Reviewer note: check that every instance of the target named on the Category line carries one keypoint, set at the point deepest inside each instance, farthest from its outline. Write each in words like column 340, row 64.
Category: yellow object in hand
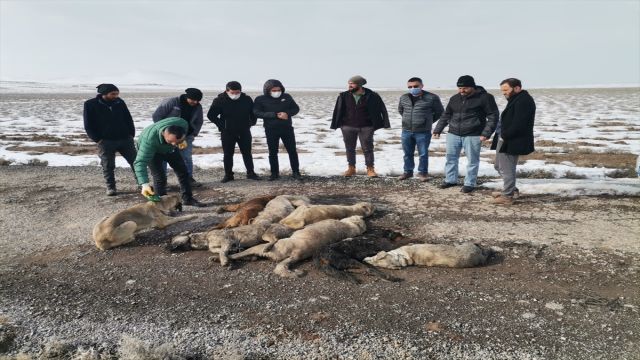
column 147, row 190
column 183, row 145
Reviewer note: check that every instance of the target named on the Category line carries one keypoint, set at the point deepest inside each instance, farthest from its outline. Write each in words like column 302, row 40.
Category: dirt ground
column 564, row 282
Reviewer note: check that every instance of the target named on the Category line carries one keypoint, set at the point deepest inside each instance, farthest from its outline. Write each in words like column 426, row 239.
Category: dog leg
column 257, row 250
column 166, row 221
column 224, row 249
column 275, row 233
column 283, row 268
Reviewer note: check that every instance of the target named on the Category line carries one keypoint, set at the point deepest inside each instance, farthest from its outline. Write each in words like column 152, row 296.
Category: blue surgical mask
column 415, row 91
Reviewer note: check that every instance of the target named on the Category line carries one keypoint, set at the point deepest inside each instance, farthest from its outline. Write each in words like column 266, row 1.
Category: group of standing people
column 471, row 115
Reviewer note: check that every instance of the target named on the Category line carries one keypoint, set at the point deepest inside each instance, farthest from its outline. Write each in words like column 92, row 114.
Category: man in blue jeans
column 472, row 115
column 419, row 109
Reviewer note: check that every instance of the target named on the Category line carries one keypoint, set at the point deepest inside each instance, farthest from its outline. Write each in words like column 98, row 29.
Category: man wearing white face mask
column 276, row 108
column 232, row 112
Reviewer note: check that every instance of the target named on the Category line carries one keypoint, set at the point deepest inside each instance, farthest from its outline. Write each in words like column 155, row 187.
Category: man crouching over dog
column 158, row 143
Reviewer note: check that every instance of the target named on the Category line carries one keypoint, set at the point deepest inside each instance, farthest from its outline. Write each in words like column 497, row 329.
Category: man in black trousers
column 232, row 112
column 277, row 108
column 108, row 122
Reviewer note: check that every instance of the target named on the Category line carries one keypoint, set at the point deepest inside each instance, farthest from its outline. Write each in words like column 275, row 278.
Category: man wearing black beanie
column 186, row 106
column 108, row 122
column 472, row 116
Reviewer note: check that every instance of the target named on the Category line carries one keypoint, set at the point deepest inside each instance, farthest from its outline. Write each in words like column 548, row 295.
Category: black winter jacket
column 375, row 106
column 472, row 115
column 266, row 107
column 107, row 121
column 419, row 112
column 516, row 125
column 235, row 116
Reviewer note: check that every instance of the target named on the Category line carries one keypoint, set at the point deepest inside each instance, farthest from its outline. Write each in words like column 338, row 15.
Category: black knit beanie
column 104, row 89
column 466, row 81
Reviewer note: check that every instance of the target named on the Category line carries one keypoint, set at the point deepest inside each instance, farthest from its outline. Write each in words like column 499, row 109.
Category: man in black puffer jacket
column 108, row 122
column 514, row 137
column 232, row 112
column 276, row 108
column 472, row 115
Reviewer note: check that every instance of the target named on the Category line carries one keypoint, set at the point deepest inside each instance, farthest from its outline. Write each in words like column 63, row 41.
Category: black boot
column 253, row 176
column 227, row 178
column 296, row 175
column 274, row 176
column 191, row 201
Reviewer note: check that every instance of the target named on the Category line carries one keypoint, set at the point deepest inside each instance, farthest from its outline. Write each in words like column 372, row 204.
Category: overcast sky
column 321, row 43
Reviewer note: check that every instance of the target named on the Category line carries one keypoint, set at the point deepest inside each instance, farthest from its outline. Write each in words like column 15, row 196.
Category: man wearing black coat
column 359, row 112
column 514, row 137
column 108, row 122
column 276, row 108
column 232, row 112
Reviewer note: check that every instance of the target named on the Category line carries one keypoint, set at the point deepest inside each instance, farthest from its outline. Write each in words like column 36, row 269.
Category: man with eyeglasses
column 419, row 109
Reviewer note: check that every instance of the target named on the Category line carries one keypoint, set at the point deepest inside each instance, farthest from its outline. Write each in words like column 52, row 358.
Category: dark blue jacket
column 107, row 121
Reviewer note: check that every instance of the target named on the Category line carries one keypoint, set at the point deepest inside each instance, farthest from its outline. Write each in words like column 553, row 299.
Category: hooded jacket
column 473, row 115
column 266, row 107
column 516, row 125
column 235, row 116
column 107, row 120
column 171, row 107
column 152, row 142
column 375, row 107
column 419, row 112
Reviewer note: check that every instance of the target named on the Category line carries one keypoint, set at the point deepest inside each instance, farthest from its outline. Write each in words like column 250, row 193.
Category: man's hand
column 436, row 136
column 282, row 115
column 147, row 190
column 483, row 138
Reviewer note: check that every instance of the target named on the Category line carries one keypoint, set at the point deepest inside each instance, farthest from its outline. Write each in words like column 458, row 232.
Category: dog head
column 169, row 203
column 358, row 221
column 388, row 260
column 366, row 208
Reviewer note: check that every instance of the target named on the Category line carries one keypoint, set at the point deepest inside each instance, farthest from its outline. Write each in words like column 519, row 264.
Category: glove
column 147, row 190
column 183, row 145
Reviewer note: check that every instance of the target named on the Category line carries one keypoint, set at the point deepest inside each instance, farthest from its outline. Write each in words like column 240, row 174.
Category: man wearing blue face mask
column 419, row 110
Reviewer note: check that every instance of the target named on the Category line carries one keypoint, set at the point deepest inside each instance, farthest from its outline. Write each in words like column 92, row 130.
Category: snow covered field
column 573, row 122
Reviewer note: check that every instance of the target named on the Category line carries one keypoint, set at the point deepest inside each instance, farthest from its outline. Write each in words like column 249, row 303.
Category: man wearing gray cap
column 359, row 112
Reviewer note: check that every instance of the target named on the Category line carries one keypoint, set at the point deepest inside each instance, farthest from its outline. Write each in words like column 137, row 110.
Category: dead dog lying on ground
column 454, row 256
column 120, row 228
column 263, row 227
column 304, row 243
column 305, row 215
column 244, row 211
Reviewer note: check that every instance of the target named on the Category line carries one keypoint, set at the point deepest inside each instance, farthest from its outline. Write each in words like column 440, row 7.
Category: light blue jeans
column 471, row 146
column 409, row 142
column 186, row 155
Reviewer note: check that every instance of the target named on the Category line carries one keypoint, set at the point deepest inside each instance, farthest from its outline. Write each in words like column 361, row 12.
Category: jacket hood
column 270, row 84
column 480, row 90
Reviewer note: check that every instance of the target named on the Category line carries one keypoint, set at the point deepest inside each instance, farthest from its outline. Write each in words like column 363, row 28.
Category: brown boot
column 502, row 200
column 405, row 176
column 351, row 170
column 371, row 172
column 495, row 194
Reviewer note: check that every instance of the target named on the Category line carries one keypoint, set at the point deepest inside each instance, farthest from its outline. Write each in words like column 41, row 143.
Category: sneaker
column 227, row 178
column 467, row 189
column 194, row 183
column 273, row 177
column 111, row 192
column 446, row 185
column 423, row 177
column 502, row 200
column 192, row 202
column 253, row 176
column 515, row 195
column 296, row 175
column 405, row 176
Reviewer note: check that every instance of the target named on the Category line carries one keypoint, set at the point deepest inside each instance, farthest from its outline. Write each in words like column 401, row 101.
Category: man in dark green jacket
column 157, row 143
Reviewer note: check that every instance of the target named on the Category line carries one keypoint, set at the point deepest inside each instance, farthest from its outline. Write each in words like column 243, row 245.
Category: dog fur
column 305, row 215
column 262, row 227
column 454, row 256
column 304, row 243
column 244, row 211
column 120, row 228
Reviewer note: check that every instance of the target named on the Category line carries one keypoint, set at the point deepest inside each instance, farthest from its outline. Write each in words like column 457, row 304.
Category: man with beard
column 186, row 106
column 108, row 122
column 514, row 137
column 276, row 108
column 232, row 112
column 471, row 115
column 359, row 112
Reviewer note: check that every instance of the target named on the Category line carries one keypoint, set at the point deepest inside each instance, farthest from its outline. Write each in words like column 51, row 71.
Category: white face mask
column 276, row 94
column 234, row 97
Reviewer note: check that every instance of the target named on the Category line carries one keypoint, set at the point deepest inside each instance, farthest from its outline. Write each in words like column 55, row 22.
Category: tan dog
column 304, row 243
column 220, row 241
column 305, row 215
column 458, row 256
column 245, row 211
column 120, row 228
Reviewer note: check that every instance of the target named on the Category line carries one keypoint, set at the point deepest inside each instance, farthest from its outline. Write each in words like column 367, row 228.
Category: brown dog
column 120, row 228
column 244, row 212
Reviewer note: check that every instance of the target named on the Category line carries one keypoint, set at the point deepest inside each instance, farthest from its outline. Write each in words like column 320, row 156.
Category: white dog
column 458, row 256
column 305, row 215
column 304, row 243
